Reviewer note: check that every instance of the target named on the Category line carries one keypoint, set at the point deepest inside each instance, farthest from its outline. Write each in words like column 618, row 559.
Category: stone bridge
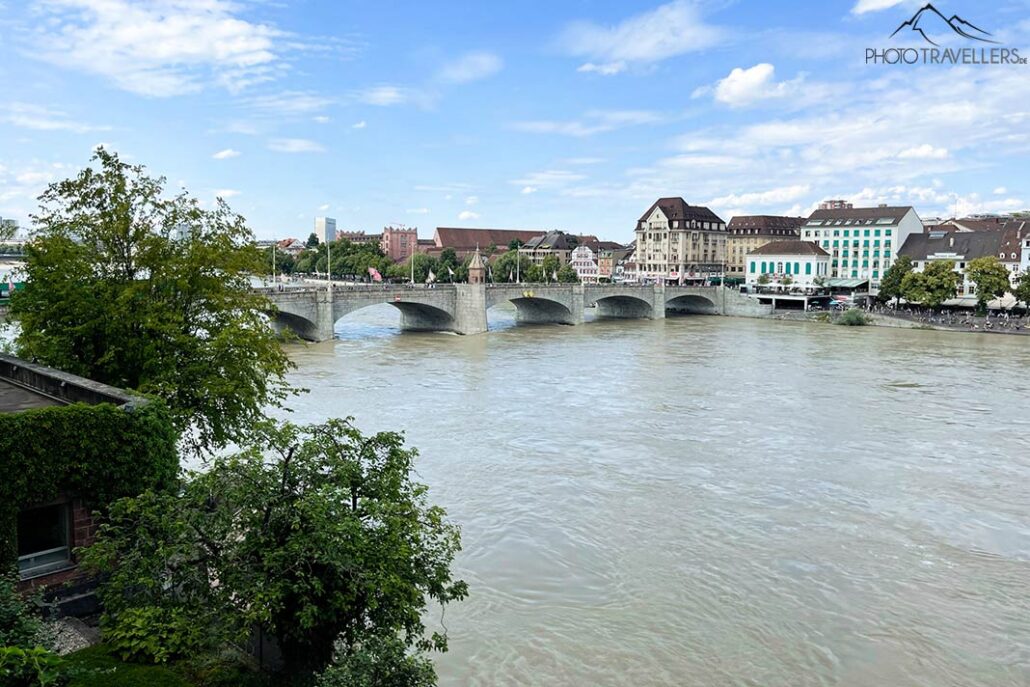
column 312, row 312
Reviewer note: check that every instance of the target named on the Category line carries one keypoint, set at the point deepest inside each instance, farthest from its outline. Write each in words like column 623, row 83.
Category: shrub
column 35, row 667
column 19, row 624
column 853, row 318
column 96, row 667
column 151, row 634
column 379, row 663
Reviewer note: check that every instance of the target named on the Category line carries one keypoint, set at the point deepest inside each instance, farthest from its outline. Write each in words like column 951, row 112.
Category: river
column 712, row 501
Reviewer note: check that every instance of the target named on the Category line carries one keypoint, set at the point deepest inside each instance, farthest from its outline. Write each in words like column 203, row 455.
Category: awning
column 844, row 283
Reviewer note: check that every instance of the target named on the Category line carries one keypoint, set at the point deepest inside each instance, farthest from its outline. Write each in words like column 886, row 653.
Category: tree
column 312, row 241
column 515, row 244
column 534, row 274
column 511, row 266
column 567, row 275
column 317, row 535
column 114, row 295
column 890, row 285
column 786, row 280
column 763, row 279
column 550, row 266
column 935, row 284
column 1022, row 291
column 284, row 262
column 991, row 279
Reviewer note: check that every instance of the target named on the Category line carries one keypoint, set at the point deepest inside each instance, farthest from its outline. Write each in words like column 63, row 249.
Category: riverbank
column 881, row 320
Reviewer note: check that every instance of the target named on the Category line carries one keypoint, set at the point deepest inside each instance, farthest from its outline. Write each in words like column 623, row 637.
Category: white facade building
column 677, row 242
column 787, row 263
column 584, row 262
column 862, row 242
column 325, row 229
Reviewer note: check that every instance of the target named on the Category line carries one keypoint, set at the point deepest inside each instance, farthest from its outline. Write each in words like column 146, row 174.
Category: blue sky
column 571, row 115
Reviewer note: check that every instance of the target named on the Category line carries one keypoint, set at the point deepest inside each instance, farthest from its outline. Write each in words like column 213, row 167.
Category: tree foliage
column 991, row 279
column 935, row 284
column 115, row 293
column 316, row 534
column 1022, row 290
column 567, row 275
column 890, row 284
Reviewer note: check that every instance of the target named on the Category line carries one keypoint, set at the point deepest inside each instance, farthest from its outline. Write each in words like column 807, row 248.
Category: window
column 847, row 233
column 779, row 268
column 43, row 539
column 808, row 268
column 797, row 268
column 752, row 268
column 788, row 268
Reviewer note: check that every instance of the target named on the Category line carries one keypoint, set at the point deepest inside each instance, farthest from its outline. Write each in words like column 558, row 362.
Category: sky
column 572, row 115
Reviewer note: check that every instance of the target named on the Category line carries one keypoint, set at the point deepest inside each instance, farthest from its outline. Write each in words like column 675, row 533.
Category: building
column 962, row 247
column 360, row 238
column 748, row 232
column 835, row 205
column 608, row 260
column 677, row 242
column 325, row 229
column 583, row 261
column 75, row 446
column 477, row 269
column 862, row 242
column 399, row 243
column 465, row 242
column 556, row 243
column 801, row 263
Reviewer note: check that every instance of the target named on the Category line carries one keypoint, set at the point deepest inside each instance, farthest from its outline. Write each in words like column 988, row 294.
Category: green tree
column 763, row 279
column 1022, row 290
column 317, row 535
column 113, row 295
column 534, row 274
column 786, row 280
column 511, row 266
column 284, row 262
column 550, row 266
column 935, row 284
column 890, row 285
column 514, row 244
column 567, row 275
column 991, row 279
column 312, row 241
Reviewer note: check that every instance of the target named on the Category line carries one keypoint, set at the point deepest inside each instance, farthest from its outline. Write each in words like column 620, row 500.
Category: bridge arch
column 304, row 328
column 692, row 304
column 624, row 306
column 416, row 316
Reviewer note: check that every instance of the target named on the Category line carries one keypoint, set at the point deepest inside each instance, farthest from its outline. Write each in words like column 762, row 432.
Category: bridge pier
column 470, row 308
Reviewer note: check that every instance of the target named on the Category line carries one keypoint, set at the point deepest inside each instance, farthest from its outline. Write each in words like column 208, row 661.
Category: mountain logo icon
column 929, row 23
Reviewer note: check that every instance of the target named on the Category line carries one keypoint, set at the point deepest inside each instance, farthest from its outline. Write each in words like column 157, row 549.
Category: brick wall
column 83, row 531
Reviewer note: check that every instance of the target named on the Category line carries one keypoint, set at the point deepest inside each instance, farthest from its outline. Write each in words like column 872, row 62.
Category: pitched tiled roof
column 677, row 208
column 765, row 225
column 966, row 245
column 461, row 238
column 895, row 212
column 789, row 248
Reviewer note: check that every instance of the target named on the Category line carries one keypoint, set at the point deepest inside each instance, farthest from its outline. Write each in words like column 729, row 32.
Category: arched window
column 779, row 268
column 808, row 268
column 788, row 268
column 797, row 268
column 752, row 267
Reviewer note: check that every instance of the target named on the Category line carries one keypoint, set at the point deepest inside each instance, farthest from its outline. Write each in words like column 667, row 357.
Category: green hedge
column 95, row 452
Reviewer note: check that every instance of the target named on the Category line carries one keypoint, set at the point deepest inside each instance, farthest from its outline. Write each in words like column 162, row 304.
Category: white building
column 325, row 229
column 677, row 242
column 800, row 263
column 962, row 247
column 584, row 262
column 862, row 242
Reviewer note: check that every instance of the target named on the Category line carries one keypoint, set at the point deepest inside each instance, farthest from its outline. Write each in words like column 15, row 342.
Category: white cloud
column 358, row 125
column 777, row 196
column 923, row 152
column 1000, row 191
column 158, row 48
column 291, row 103
column 226, row 154
column 418, row 211
column 471, row 67
column 383, row 96
column 526, row 190
column 666, row 31
column 593, row 122
column 295, row 145
column 863, row 6
column 39, row 118
column 551, row 178
column 582, row 161
column 467, row 215
column 743, row 87
column 320, row 119
column 226, row 193
column 602, row 69
column 471, row 200
column 323, row 207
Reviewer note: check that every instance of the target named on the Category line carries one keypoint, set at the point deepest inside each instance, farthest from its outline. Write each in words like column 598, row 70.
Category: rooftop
column 461, row 238
column 765, row 224
column 967, row 245
column 882, row 216
column 789, row 248
column 677, row 208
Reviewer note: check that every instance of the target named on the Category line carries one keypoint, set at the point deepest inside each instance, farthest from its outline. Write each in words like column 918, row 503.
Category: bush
column 853, row 318
column 36, row 667
column 96, row 667
column 379, row 663
column 19, row 624
column 151, row 634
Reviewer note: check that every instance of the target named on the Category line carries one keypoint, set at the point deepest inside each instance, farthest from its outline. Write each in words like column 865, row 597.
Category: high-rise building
column 325, row 229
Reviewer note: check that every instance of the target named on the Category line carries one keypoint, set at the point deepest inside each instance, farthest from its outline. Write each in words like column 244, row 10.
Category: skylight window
column 885, row 220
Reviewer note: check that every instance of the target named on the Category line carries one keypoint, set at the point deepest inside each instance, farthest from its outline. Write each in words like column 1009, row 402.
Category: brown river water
column 712, row 501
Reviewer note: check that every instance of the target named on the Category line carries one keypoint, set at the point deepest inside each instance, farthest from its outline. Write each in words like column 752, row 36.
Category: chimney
column 951, row 242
